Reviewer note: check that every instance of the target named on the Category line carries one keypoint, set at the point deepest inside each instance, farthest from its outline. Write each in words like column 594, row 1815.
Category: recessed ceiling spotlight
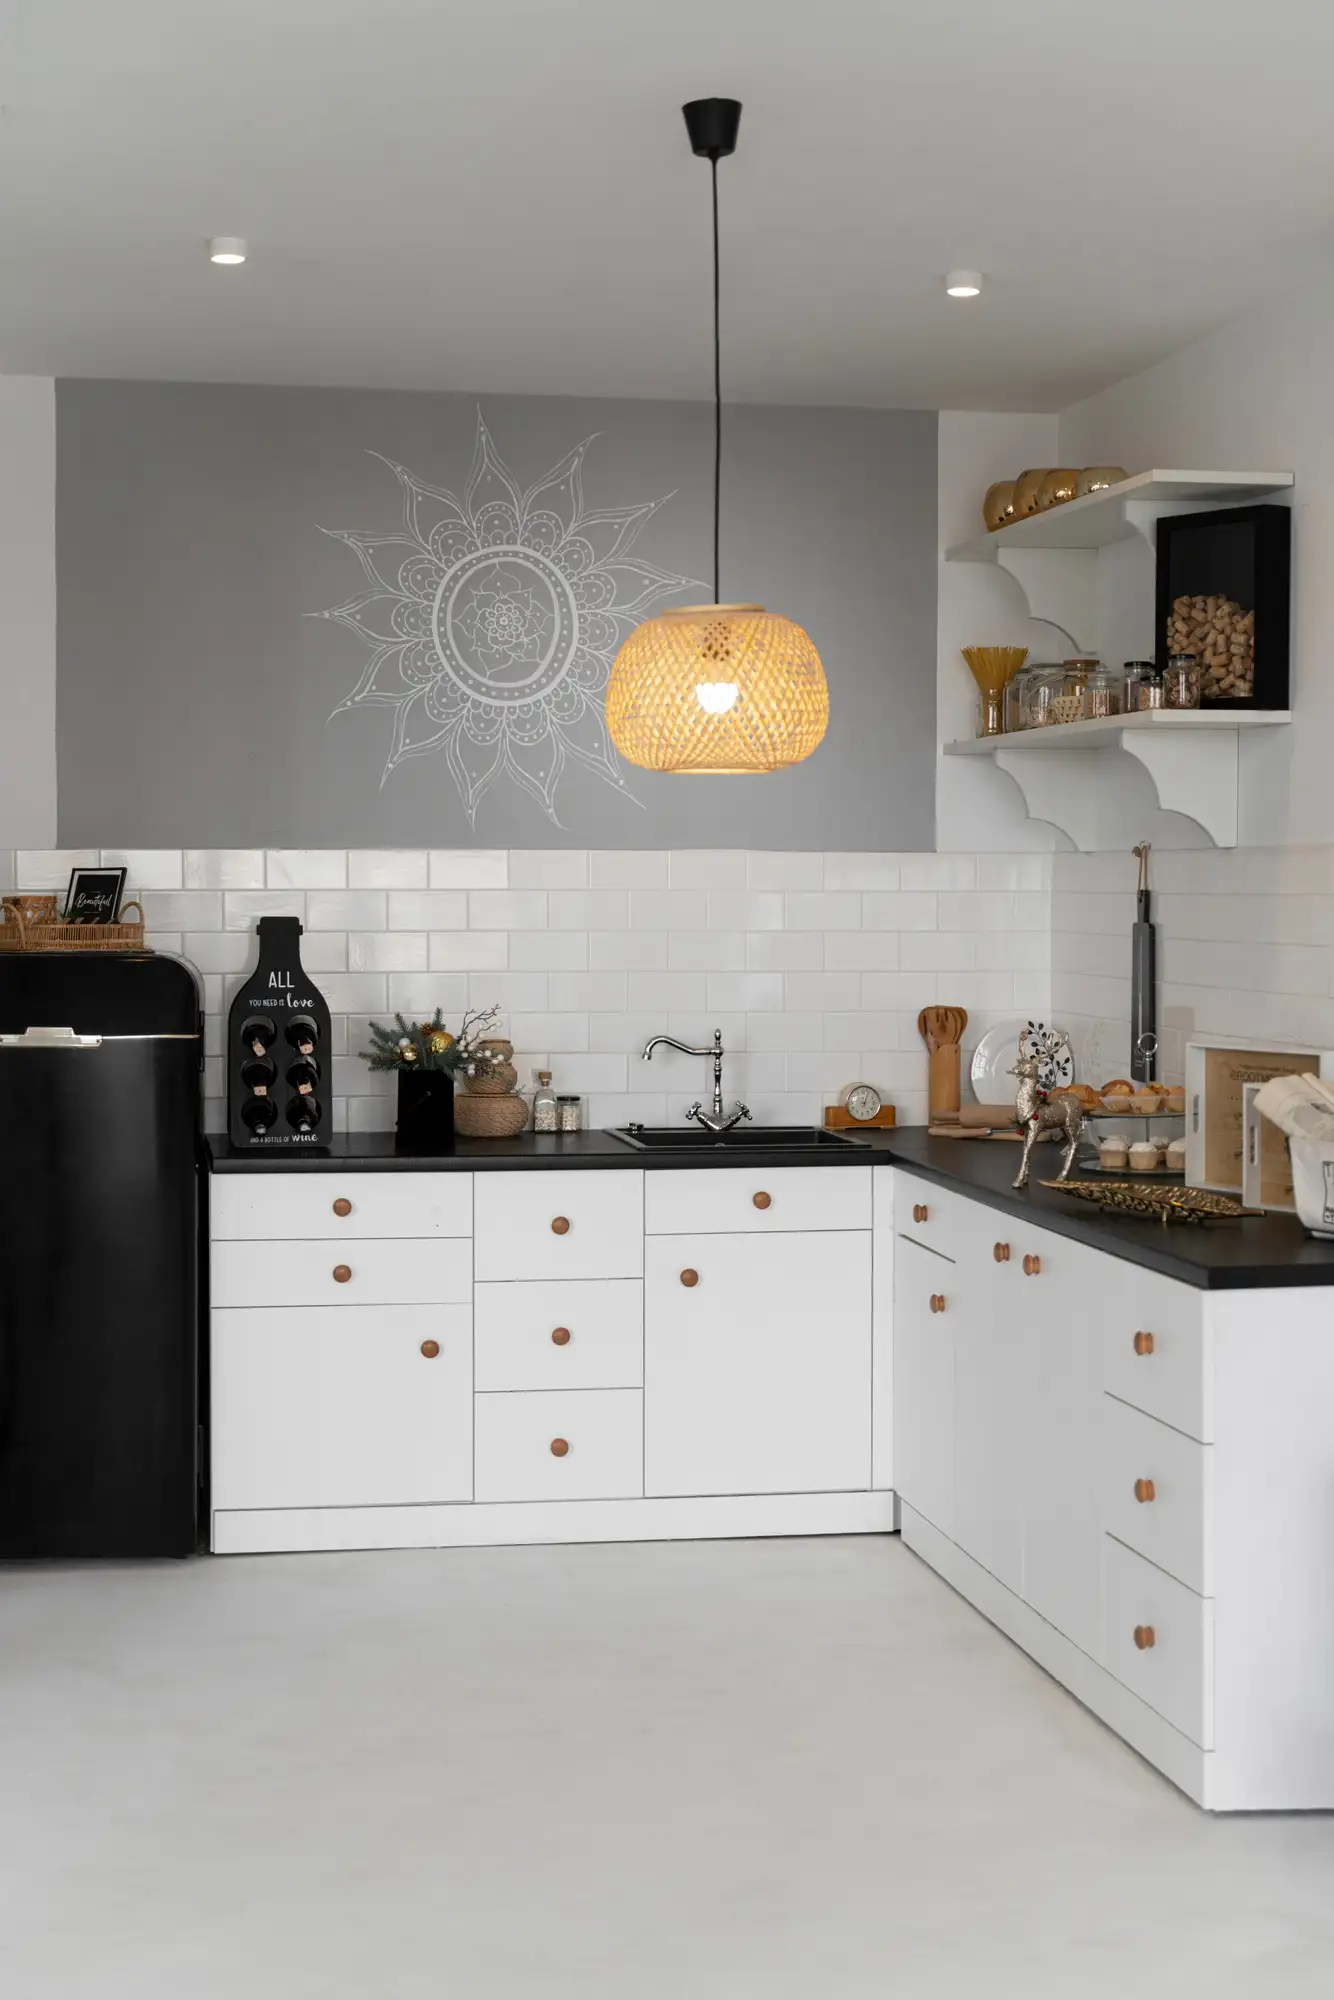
column 963, row 284
column 227, row 249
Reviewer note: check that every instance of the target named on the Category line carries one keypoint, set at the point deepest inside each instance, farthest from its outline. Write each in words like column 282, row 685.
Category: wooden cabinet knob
column 937, row 1302
column 341, row 1273
column 1145, row 1490
column 919, row 1211
column 559, row 1447
column 1145, row 1636
column 1032, row 1267
column 1001, row 1252
column 342, row 1206
column 560, row 1225
column 430, row 1348
column 689, row 1278
column 560, row 1336
column 762, row 1200
column 1144, row 1343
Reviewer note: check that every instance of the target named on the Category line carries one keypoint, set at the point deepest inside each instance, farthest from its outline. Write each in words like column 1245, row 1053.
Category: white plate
column 997, row 1053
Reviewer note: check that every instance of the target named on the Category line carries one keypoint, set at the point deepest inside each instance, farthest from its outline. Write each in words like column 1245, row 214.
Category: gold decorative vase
column 998, row 506
column 1058, row 487
column 1097, row 478
column 1026, row 489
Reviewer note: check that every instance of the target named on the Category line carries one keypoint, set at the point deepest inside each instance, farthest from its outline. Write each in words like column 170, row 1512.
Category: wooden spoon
column 941, row 1028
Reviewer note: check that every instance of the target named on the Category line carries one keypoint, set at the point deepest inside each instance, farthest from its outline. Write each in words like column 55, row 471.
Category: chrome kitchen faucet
column 717, row 1120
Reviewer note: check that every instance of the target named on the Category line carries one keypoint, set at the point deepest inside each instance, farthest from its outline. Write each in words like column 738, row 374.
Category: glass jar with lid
column 1133, row 675
column 569, row 1114
column 1068, row 700
column 1181, row 682
column 1149, row 689
column 1039, row 691
column 1104, row 694
column 545, row 1117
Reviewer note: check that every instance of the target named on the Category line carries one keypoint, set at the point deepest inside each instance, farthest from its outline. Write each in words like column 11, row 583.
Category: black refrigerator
column 100, row 1058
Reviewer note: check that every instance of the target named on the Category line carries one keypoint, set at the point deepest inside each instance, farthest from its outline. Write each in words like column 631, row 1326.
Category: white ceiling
column 500, row 196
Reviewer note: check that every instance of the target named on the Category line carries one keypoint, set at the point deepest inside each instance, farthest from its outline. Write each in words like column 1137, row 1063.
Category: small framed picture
column 94, row 895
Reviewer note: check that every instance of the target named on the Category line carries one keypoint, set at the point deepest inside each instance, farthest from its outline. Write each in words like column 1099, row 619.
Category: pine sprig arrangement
column 429, row 1045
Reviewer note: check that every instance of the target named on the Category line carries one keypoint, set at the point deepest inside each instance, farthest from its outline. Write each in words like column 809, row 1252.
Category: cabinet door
column 344, row 1406
column 924, row 1383
column 1059, row 1450
column 985, row 1308
column 757, row 1377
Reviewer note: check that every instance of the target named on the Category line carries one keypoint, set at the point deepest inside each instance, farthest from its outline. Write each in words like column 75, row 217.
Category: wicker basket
column 24, row 932
column 487, row 1117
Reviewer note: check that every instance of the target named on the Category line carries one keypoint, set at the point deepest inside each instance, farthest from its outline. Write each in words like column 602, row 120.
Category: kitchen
column 759, row 1603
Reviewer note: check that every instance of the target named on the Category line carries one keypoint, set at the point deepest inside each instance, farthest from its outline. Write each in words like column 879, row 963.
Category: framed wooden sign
column 94, row 896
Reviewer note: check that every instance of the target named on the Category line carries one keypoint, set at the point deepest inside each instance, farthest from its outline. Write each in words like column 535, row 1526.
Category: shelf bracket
column 1062, row 791
column 1058, row 586
column 1195, row 775
column 1192, row 774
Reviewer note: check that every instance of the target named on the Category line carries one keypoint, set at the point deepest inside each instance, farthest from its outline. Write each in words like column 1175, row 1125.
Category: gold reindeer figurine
column 1037, row 1114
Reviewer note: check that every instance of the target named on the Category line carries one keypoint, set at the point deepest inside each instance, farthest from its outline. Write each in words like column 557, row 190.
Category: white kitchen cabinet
column 770, row 1200
column 340, row 1207
column 986, row 1302
column 341, row 1407
column 408, row 1273
column 926, row 1303
column 1157, row 1639
column 559, row 1225
column 574, row 1444
column 579, row 1333
column 757, row 1363
column 1157, row 1493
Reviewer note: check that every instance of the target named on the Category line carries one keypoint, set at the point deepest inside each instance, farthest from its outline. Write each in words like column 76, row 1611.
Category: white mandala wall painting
column 492, row 632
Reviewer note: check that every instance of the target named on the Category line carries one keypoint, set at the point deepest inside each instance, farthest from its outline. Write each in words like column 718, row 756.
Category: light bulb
column 227, row 249
column 963, row 284
column 716, row 697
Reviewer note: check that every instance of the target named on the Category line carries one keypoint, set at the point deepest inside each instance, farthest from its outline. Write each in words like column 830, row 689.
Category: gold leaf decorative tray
column 1163, row 1204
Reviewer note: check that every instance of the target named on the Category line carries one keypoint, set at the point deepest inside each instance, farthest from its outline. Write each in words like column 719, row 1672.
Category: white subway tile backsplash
column 861, row 951
column 612, row 869
column 904, row 910
column 622, row 1034
column 825, row 910
column 507, row 909
column 342, row 909
column 579, row 1072
column 548, row 868
column 563, row 1034
column 147, row 867
column 861, row 871
column 787, row 871
column 969, row 910
column 39, row 871
column 387, row 868
column 786, row 1032
column 428, row 910
column 468, row 868
column 784, row 951
column 305, row 868
column 664, row 992
column 623, row 951
column 705, row 951
column 469, row 951
column 222, row 868
column 747, row 992
column 757, row 910
column 422, row 992
column 818, row 992
column 937, row 951
column 591, row 992
column 524, row 992
column 668, row 910
column 701, row 868
column 182, row 909
column 543, row 951
column 386, row 951
column 938, row 871
column 1014, row 871
column 356, row 992
column 218, row 951
column 324, row 951
column 588, row 909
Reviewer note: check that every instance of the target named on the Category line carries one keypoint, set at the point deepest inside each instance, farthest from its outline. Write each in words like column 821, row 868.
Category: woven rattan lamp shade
column 730, row 689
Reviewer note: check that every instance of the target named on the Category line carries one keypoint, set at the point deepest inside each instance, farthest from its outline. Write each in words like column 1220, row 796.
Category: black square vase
column 425, row 1111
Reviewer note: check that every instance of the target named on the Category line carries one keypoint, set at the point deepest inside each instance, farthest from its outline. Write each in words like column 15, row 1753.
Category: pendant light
column 730, row 689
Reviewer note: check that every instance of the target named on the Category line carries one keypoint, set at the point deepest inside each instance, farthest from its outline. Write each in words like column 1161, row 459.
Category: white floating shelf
column 1098, row 519
column 1191, row 756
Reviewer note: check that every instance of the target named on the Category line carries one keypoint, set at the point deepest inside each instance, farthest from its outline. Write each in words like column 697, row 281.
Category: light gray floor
column 704, row 1769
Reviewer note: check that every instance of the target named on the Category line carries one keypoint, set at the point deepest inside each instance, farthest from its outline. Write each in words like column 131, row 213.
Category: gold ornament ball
column 439, row 1041
column 409, row 1054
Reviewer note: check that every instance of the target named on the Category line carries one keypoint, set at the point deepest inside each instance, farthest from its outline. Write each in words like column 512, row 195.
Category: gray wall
column 197, row 695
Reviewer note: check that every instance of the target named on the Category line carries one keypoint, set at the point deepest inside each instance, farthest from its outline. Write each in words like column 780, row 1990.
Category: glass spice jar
column 544, row 1104
column 1151, row 690
column 1103, row 694
column 1133, row 674
column 1040, row 689
column 570, row 1114
column 1181, row 682
column 1068, row 701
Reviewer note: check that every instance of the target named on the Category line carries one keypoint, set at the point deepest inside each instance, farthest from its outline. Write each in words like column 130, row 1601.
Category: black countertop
column 1252, row 1253
column 378, row 1152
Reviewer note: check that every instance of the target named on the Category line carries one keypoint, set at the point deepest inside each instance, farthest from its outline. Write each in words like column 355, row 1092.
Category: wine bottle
column 259, row 1074
column 259, row 1113
column 303, row 1075
column 303, row 1035
column 304, row 1113
column 258, row 1034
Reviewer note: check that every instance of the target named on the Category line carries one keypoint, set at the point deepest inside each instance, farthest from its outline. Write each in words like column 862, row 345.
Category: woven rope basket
column 727, row 688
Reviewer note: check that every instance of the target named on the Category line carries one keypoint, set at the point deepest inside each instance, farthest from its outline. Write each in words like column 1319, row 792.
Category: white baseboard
column 484, row 1525
column 1188, row 1767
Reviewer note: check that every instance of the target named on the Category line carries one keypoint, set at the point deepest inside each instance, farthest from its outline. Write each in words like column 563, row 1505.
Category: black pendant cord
column 717, row 393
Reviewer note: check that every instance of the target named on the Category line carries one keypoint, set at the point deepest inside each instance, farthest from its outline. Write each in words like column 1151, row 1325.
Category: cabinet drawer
column 560, row 1334
column 728, row 1201
column 1157, row 1493
column 559, row 1225
column 1156, row 1355
column 929, row 1215
column 257, row 1206
column 312, row 1274
column 1174, row 1675
column 313, row 1407
column 602, row 1430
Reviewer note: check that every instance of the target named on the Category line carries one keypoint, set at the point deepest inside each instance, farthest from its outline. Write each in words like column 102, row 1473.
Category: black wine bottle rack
column 278, row 1056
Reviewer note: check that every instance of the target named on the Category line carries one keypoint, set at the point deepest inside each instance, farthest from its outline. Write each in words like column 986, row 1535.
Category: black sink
column 695, row 1139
